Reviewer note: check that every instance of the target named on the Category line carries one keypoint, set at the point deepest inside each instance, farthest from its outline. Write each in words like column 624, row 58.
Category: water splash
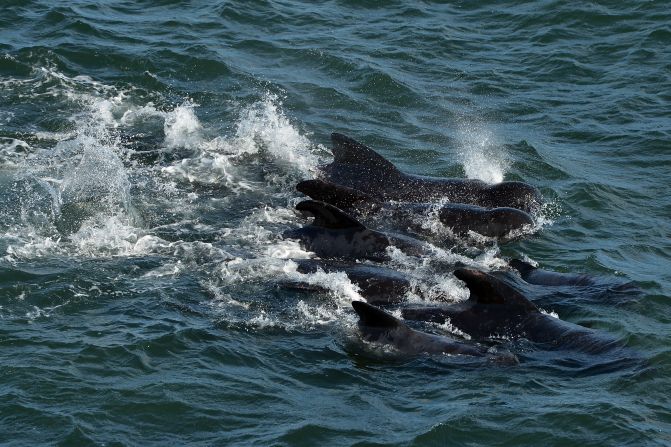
column 83, row 175
column 483, row 157
column 261, row 129
column 265, row 126
column 182, row 128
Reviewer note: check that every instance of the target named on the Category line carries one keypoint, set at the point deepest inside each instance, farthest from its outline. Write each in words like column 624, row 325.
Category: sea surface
column 149, row 152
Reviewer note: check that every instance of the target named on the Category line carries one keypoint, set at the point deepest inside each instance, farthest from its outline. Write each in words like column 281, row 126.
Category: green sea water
column 148, row 156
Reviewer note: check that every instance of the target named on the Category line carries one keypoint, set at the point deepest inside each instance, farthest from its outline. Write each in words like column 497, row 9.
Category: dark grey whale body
column 378, row 285
column 534, row 275
column 459, row 217
column 359, row 167
column 378, row 326
column 335, row 234
column 495, row 309
column 585, row 288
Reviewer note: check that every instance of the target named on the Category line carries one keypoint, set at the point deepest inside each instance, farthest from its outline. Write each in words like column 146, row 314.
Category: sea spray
column 482, row 156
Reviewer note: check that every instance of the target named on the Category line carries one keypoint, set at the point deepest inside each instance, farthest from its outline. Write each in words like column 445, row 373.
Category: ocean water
column 148, row 156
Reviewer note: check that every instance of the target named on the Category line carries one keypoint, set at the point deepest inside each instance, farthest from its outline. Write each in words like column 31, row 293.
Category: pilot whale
column 461, row 218
column 335, row 234
column 534, row 275
column 378, row 326
column 360, row 167
column 496, row 309
column 603, row 290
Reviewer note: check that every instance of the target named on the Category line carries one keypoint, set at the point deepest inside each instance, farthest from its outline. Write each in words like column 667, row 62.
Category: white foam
column 263, row 321
column 110, row 236
column 57, row 136
column 435, row 257
column 260, row 231
column 287, row 249
column 148, row 244
column 528, row 260
column 98, row 237
column 449, row 327
column 90, row 184
column 12, row 151
column 546, row 216
column 336, row 282
column 550, row 313
column 182, row 128
column 135, row 115
column 315, row 315
column 30, row 245
column 443, row 288
column 430, row 222
column 208, row 169
column 222, row 299
column 489, row 259
column 37, row 312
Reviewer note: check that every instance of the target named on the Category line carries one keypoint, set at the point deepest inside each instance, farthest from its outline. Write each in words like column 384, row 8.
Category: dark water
column 148, row 153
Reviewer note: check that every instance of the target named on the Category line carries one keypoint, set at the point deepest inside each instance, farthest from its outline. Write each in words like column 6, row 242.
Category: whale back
column 371, row 316
column 486, row 289
column 328, row 216
column 335, row 234
column 337, row 195
column 521, row 266
column 537, row 276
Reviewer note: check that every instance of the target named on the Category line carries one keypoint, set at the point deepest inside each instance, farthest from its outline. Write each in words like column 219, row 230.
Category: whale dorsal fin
column 521, row 266
column 374, row 316
column 349, row 151
column 486, row 289
column 328, row 216
column 328, row 192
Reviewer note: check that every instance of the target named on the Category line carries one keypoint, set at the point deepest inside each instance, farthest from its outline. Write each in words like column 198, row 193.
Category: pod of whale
column 360, row 184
